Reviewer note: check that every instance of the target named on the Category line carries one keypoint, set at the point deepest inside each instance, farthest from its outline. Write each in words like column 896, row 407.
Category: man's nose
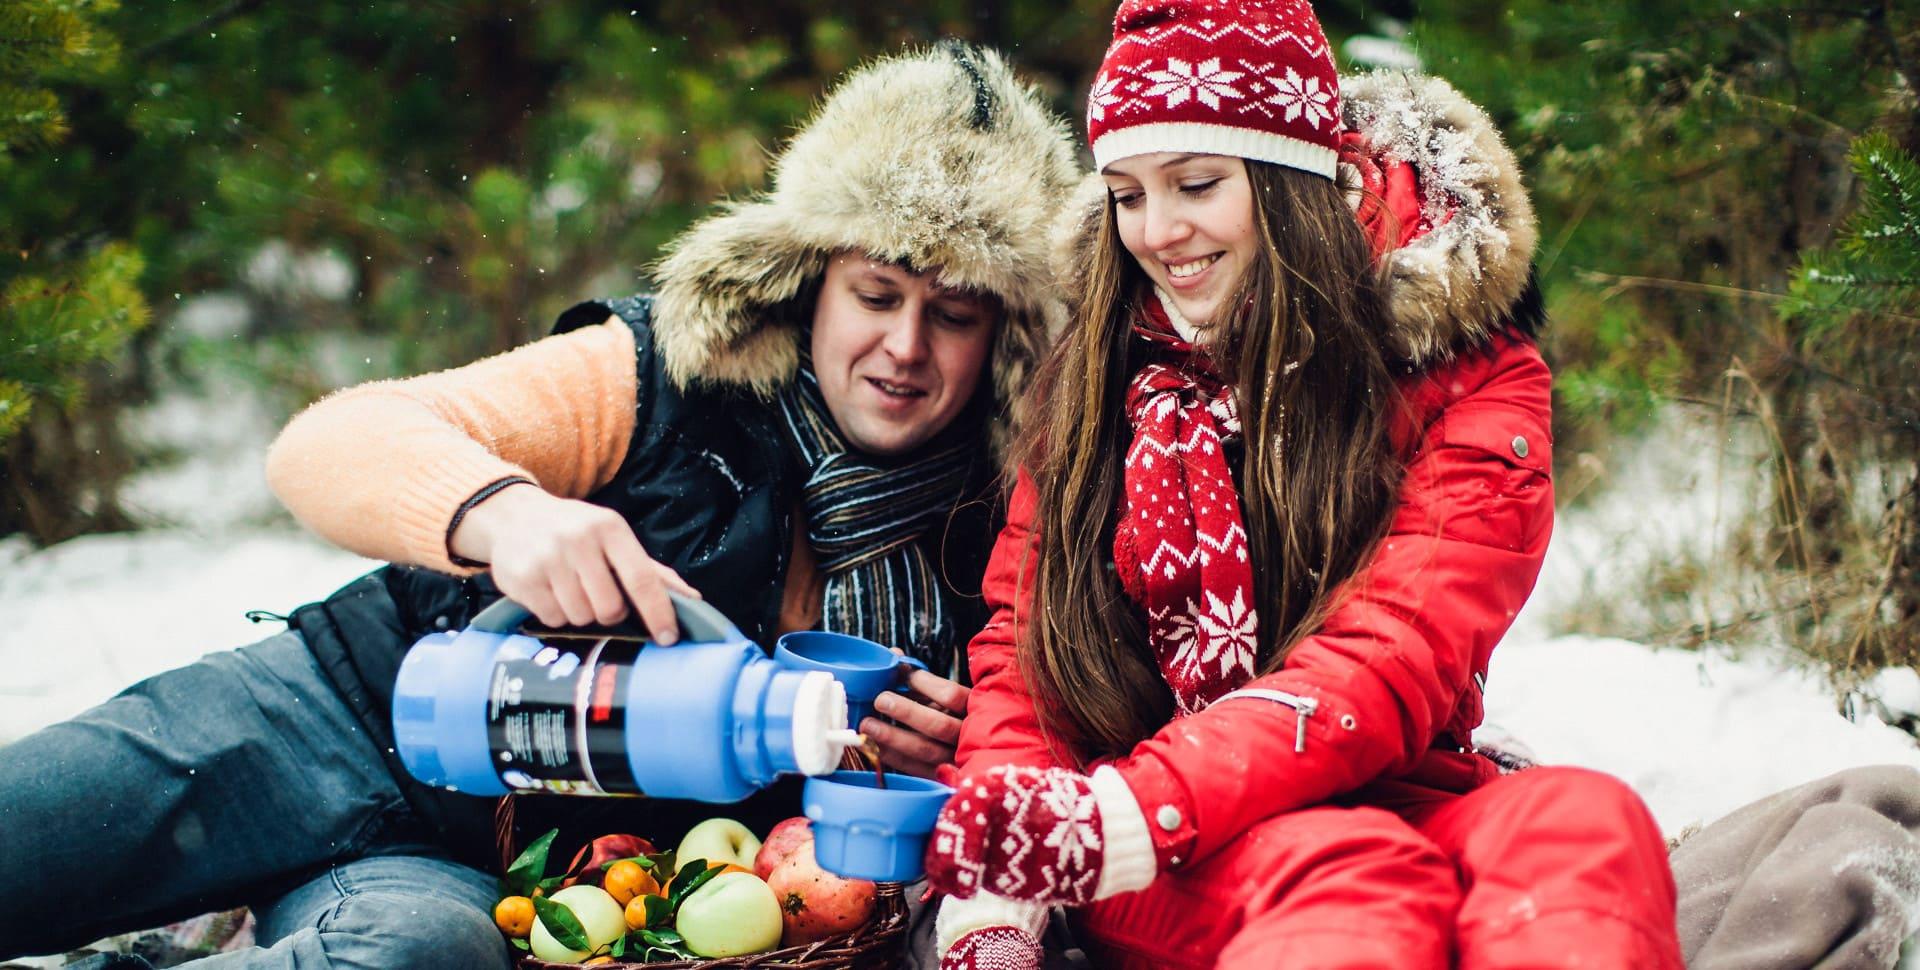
column 906, row 340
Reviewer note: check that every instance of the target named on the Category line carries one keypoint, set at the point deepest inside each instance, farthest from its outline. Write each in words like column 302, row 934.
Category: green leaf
column 642, row 861
column 669, row 941
column 691, row 876
column 520, row 943
column 659, row 911
column 661, row 861
column 552, row 882
column 526, row 870
column 560, row 921
column 620, row 947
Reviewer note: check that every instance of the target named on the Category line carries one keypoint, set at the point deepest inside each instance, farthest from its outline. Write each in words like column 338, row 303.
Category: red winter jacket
column 1395, row 670
column 1393, row 676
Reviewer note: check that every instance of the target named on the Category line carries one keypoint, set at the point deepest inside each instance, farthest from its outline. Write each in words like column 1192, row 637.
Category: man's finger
column 903, row 745
column 572, row 600
column 542, row 605
column 641, row 581
column 949, row 694
column 944, row 728
column 602, row 589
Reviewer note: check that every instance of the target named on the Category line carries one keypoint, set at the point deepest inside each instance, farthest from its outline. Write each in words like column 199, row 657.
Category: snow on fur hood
column 1457, row 285
column 939, row 159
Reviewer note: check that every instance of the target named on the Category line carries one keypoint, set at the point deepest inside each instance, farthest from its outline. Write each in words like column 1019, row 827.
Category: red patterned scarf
column 1181, row 543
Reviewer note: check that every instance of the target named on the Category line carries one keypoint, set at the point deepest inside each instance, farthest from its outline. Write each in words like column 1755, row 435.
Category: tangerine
column 514, row 916
column 627, row 879
column 636, row 911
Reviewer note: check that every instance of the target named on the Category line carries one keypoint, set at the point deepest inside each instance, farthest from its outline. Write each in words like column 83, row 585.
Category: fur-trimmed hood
column 1453, row 287
column 939, row 159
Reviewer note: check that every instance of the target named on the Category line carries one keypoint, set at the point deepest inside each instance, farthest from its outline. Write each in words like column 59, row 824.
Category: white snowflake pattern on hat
column 1208, row 83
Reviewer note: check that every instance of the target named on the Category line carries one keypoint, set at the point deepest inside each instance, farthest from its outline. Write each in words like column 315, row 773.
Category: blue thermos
column 490, row 710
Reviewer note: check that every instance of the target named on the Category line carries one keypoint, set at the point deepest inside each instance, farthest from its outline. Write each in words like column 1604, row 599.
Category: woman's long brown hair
column 1302, row 351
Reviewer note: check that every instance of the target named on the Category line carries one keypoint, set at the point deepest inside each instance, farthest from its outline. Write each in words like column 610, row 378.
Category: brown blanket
column 1825, row 875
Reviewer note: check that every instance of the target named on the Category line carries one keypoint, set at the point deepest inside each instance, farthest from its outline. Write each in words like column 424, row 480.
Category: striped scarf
column 864, row 517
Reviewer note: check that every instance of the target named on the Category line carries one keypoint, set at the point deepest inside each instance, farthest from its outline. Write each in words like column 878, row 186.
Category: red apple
column 586, row 866
column 815, row 903
column 780, row 843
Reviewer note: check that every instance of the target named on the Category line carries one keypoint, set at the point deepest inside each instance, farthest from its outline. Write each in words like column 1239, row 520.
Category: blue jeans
column 241, row 779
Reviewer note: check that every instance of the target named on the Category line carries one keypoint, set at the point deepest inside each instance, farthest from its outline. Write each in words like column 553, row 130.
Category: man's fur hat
column 940, row 160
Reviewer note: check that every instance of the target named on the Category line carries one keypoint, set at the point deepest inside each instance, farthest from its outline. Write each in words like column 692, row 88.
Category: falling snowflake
column 1181, row 81
column 1302, row 96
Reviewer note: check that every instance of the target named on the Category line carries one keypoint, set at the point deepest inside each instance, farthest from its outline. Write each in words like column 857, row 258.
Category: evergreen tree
column 67, row 304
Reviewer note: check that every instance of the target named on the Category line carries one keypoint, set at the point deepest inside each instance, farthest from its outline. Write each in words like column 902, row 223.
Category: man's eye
column 958, row 321
column 875, row 302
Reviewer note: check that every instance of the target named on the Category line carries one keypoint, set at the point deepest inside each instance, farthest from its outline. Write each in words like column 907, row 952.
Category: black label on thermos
column 557, row 721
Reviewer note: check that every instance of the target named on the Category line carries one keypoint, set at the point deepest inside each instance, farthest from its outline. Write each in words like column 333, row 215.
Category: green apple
column 734, row 913
column 598, row 914
column 719, row 840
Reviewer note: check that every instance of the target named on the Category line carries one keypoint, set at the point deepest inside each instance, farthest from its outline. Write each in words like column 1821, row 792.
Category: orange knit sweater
column 381, row 468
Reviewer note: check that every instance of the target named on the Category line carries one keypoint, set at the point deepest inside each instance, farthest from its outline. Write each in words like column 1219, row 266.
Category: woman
column 798, row 425
column 1290, row 486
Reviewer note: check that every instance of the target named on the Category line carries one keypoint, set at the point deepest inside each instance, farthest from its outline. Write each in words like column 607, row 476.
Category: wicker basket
column 878, row 945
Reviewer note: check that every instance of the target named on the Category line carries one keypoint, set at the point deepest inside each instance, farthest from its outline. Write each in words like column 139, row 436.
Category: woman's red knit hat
column 1253, row 78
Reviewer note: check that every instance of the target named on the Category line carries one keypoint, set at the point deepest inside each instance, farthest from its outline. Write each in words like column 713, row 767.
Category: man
column 799, row 427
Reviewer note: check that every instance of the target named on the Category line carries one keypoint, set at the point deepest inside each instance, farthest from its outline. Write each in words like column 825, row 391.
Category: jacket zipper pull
column 261, row 616
column 1303, row 707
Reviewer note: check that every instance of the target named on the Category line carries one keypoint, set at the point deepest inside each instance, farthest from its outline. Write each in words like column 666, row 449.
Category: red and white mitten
column 994, row 948
column 1043, row 835
column 985, row 932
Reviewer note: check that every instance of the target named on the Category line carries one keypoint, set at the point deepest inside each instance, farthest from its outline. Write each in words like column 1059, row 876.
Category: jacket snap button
column 1168, row 817
column 441, row 622
column 1173, row 860
column 1520, row 445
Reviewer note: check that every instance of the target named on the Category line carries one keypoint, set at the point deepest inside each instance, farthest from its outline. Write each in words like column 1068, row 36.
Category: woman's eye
column 875, row 302
column 1199, row 188
column 958, row 321
column 1126, row 200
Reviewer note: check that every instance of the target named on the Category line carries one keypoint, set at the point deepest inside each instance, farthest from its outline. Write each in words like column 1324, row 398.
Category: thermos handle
column 700, row 621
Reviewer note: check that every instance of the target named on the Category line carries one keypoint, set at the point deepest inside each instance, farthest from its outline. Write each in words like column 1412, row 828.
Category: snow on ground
column 85, row 618
column 1698, row 734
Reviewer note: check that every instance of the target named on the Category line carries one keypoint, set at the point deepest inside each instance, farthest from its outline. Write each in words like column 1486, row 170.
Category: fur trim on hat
column 1452, row 288
column 940, row 160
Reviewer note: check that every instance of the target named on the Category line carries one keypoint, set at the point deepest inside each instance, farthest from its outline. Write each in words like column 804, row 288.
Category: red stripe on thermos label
column 557, row 721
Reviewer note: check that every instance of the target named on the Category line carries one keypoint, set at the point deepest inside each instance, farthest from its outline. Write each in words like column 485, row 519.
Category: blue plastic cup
column 863, row 832
column 865, row 668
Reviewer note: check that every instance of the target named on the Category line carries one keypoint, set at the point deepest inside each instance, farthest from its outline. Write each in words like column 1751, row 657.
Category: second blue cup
column 866, row 669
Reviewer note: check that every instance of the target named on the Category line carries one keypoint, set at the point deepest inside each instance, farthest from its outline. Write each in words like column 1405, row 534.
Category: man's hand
column 570, row 563
column 926, row 728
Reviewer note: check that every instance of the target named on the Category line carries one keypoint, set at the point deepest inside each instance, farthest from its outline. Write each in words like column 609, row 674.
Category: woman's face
column 898, row 356
column 1188, row 221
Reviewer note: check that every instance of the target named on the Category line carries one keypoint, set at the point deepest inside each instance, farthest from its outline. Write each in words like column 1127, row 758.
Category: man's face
column 898, row 357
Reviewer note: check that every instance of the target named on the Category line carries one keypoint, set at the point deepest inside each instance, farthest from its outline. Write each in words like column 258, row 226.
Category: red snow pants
column 1548, row 867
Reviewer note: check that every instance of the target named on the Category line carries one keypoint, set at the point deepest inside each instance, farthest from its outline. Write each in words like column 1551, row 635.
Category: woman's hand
column 570, row 563
column 926, row 728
